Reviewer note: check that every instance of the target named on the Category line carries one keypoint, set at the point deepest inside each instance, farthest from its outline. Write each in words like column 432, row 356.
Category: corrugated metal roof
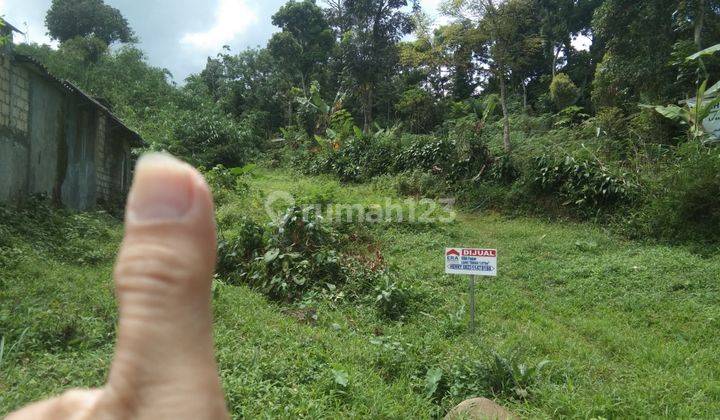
column 12, row 28
column 135, row 138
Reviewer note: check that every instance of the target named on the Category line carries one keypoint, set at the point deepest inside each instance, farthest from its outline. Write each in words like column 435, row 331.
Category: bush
column 563, row 91
column 687, row 206
column 612, row 126
column 499, row 376
column 298, row 255
column 418, row 110
column 206, row 137
column 236, row 253
column 418, row 183
column 585, row 185
column 223, row 181
column 392, row 299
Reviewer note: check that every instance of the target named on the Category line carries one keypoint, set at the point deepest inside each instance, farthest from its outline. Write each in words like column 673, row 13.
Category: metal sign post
column 472, row 303
column 472, row 262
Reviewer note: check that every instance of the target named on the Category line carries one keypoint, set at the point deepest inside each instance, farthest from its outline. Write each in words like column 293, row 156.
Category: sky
column 177, row 35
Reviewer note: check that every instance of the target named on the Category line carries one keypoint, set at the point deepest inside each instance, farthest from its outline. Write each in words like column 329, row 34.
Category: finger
column 165, row 354
column 74, row 404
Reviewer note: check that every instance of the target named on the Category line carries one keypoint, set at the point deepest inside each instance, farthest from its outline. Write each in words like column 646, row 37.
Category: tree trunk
column 367, row 109
column 290, row 112
column 506, row 116
column 699, row 23
column 524, row 88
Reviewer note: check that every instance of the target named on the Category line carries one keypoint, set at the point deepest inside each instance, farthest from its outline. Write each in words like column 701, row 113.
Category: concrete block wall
column 14, row 143
column 5, row 73
column 19, row 100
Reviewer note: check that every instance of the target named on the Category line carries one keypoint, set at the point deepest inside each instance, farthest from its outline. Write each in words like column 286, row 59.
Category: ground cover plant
column 579, row 323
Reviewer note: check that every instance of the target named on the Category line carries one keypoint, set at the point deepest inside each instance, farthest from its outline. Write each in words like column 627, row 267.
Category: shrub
column 297, row 256
column 419, row 183
column 223, row 181
column 612, row 126
column 586, row 185
column 418, row 110
column 563, row 91
column 391, row 298
column 237, row 252
column 208, row 138
column 687, row 206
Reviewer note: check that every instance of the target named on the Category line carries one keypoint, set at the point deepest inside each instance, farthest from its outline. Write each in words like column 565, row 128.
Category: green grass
column 630, row 329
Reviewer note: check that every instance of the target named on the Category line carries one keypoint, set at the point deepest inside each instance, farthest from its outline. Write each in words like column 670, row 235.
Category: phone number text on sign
column 471, row 261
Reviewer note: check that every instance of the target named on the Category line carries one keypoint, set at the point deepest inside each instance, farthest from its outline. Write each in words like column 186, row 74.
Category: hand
column 164, row 365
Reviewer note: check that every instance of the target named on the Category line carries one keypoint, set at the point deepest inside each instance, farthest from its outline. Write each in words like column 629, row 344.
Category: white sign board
column 471, row 261
column 711, row 124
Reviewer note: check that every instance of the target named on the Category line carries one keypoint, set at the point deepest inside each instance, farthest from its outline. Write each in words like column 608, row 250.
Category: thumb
column 164, row 364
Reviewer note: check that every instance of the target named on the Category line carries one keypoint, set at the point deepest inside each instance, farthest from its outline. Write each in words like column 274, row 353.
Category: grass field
column 629, row 329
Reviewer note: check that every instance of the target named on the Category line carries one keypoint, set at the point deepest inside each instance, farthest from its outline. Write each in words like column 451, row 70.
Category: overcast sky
column 176, row 34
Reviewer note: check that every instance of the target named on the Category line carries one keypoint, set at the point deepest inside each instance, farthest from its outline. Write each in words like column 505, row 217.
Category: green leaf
column 271, row 255
column 707, row 51
column 672, row 112
column 358, row 132
column 432, row 380
column 341, row 377
column 243, row 170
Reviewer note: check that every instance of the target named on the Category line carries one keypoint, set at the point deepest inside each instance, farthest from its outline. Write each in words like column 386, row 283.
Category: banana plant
column 693, row 114
column 324, row 110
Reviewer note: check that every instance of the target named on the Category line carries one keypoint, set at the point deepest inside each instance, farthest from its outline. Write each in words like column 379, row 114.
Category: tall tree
column 305, row 43
column 639, row 38
column 369, row 45
column 506, row 41
column 68, row 19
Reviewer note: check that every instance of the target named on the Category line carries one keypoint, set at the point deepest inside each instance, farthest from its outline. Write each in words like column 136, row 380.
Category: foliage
column 240, row 250
column 685, row 206
column 58, row 320
column 305, row 43
column 223, row 181
column 208, row 138
column 69, row 19
column 418, row 110
column 563, row 91
column 371, row 29
column 584, row 184
column 500, row 377
column 693, row 114
column 392, row 299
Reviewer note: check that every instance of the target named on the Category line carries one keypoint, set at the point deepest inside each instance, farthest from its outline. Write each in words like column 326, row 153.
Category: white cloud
column 232, row 18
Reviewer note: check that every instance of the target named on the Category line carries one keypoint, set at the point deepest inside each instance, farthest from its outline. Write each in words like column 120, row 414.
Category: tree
column 506, row 41
column 560, row 20
column 444, row 57
column 251, row 82
column 640, row 40
column 425, row 56
column 460, row 41
column 369, row 46
column 305, row 43
column 68, row 19
column 563, row 91
column 699, row 17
